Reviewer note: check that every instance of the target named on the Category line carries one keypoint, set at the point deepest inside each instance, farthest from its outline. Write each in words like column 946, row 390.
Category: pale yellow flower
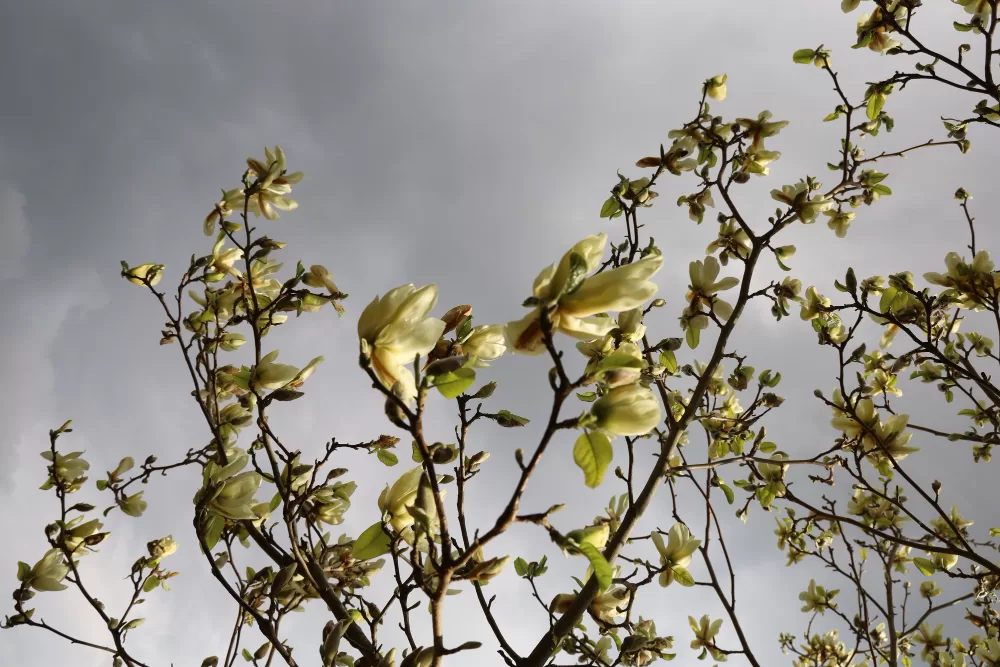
column 627, row 410
column 704, row 287
column 48, row 572
column 574, row 313
column 268, row 198
column 716, row 87
column 396, row 329
column 486, row 342
column 677, row 552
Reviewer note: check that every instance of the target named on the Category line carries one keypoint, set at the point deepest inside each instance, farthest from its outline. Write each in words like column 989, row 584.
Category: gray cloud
column 466, row 144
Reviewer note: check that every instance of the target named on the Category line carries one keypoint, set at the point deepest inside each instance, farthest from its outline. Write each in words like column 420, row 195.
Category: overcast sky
column 467, row 144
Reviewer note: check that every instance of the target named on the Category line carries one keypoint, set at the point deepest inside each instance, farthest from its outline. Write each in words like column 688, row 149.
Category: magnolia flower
column 163, row 547
column 627, row 410
column 967, row 280
column 760, row 128
column 797, row 197
column 704, row 287
column 67, row 468
column 716, row 87
column 678, row 157
column 864, row 419
column 839, row 221
column 319, row 276
column 892, row 437
column 575, row 300
column 269, row 195
column 271, row 375
column 877, row 26
column 47, row 573
column 630, row 325
column 223, row 260
column 605, row 607
column 931, row 639
column 928, row 589
column 76, row 535
column 813, row 305
column 396, row 329
column 133, row 505
column 487, row 342
column 732, row 241
column 395, row 501
column 817, row 598
column 235, row 500
column 704, row 632
column 139, row 274
column 677, row 552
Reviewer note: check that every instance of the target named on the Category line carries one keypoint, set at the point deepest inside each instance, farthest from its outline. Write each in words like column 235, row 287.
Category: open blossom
column 797, row 197
column 968, row 282
column 486, row 342
column 396, row 329
column 627, row 410
column 268, row 198
column 760, row 128
column 704, row 287
column 575, row 313
column 677, row 551
column 865, row 418
column 839, row 221
column 605, row 607
column 48, row 573
column 813, row 305
column 893, row 437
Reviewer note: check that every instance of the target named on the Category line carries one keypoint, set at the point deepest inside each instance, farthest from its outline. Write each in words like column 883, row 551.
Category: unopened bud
column 454, row 317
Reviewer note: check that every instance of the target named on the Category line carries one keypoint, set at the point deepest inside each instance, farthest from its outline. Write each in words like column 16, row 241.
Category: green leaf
column 587, row 396
column 804, row 56
column 387, row 457
column 451, row 385
column 593, row 453
column 875, row 104
column 730, row 496
column 520, row 566
column 669, row 361
column 486, row 390
column 602, row 569
column 150, row 584
column 925, row 566
column 102, row 484
column 768, row 447
column 246, row 655
column 133, row 624
column 22, row 570
column 610, row 207
column 508, row 419
column 683, row 577
column 372, row 543
column 962, row 27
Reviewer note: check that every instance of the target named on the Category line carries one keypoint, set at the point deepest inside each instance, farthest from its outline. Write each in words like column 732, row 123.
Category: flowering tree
column 890, row 540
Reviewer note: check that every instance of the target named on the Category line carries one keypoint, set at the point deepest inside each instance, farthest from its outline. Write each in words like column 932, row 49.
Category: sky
column 466, row 144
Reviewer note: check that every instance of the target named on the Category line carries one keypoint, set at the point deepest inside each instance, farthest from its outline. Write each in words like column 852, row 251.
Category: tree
column 645, row 398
